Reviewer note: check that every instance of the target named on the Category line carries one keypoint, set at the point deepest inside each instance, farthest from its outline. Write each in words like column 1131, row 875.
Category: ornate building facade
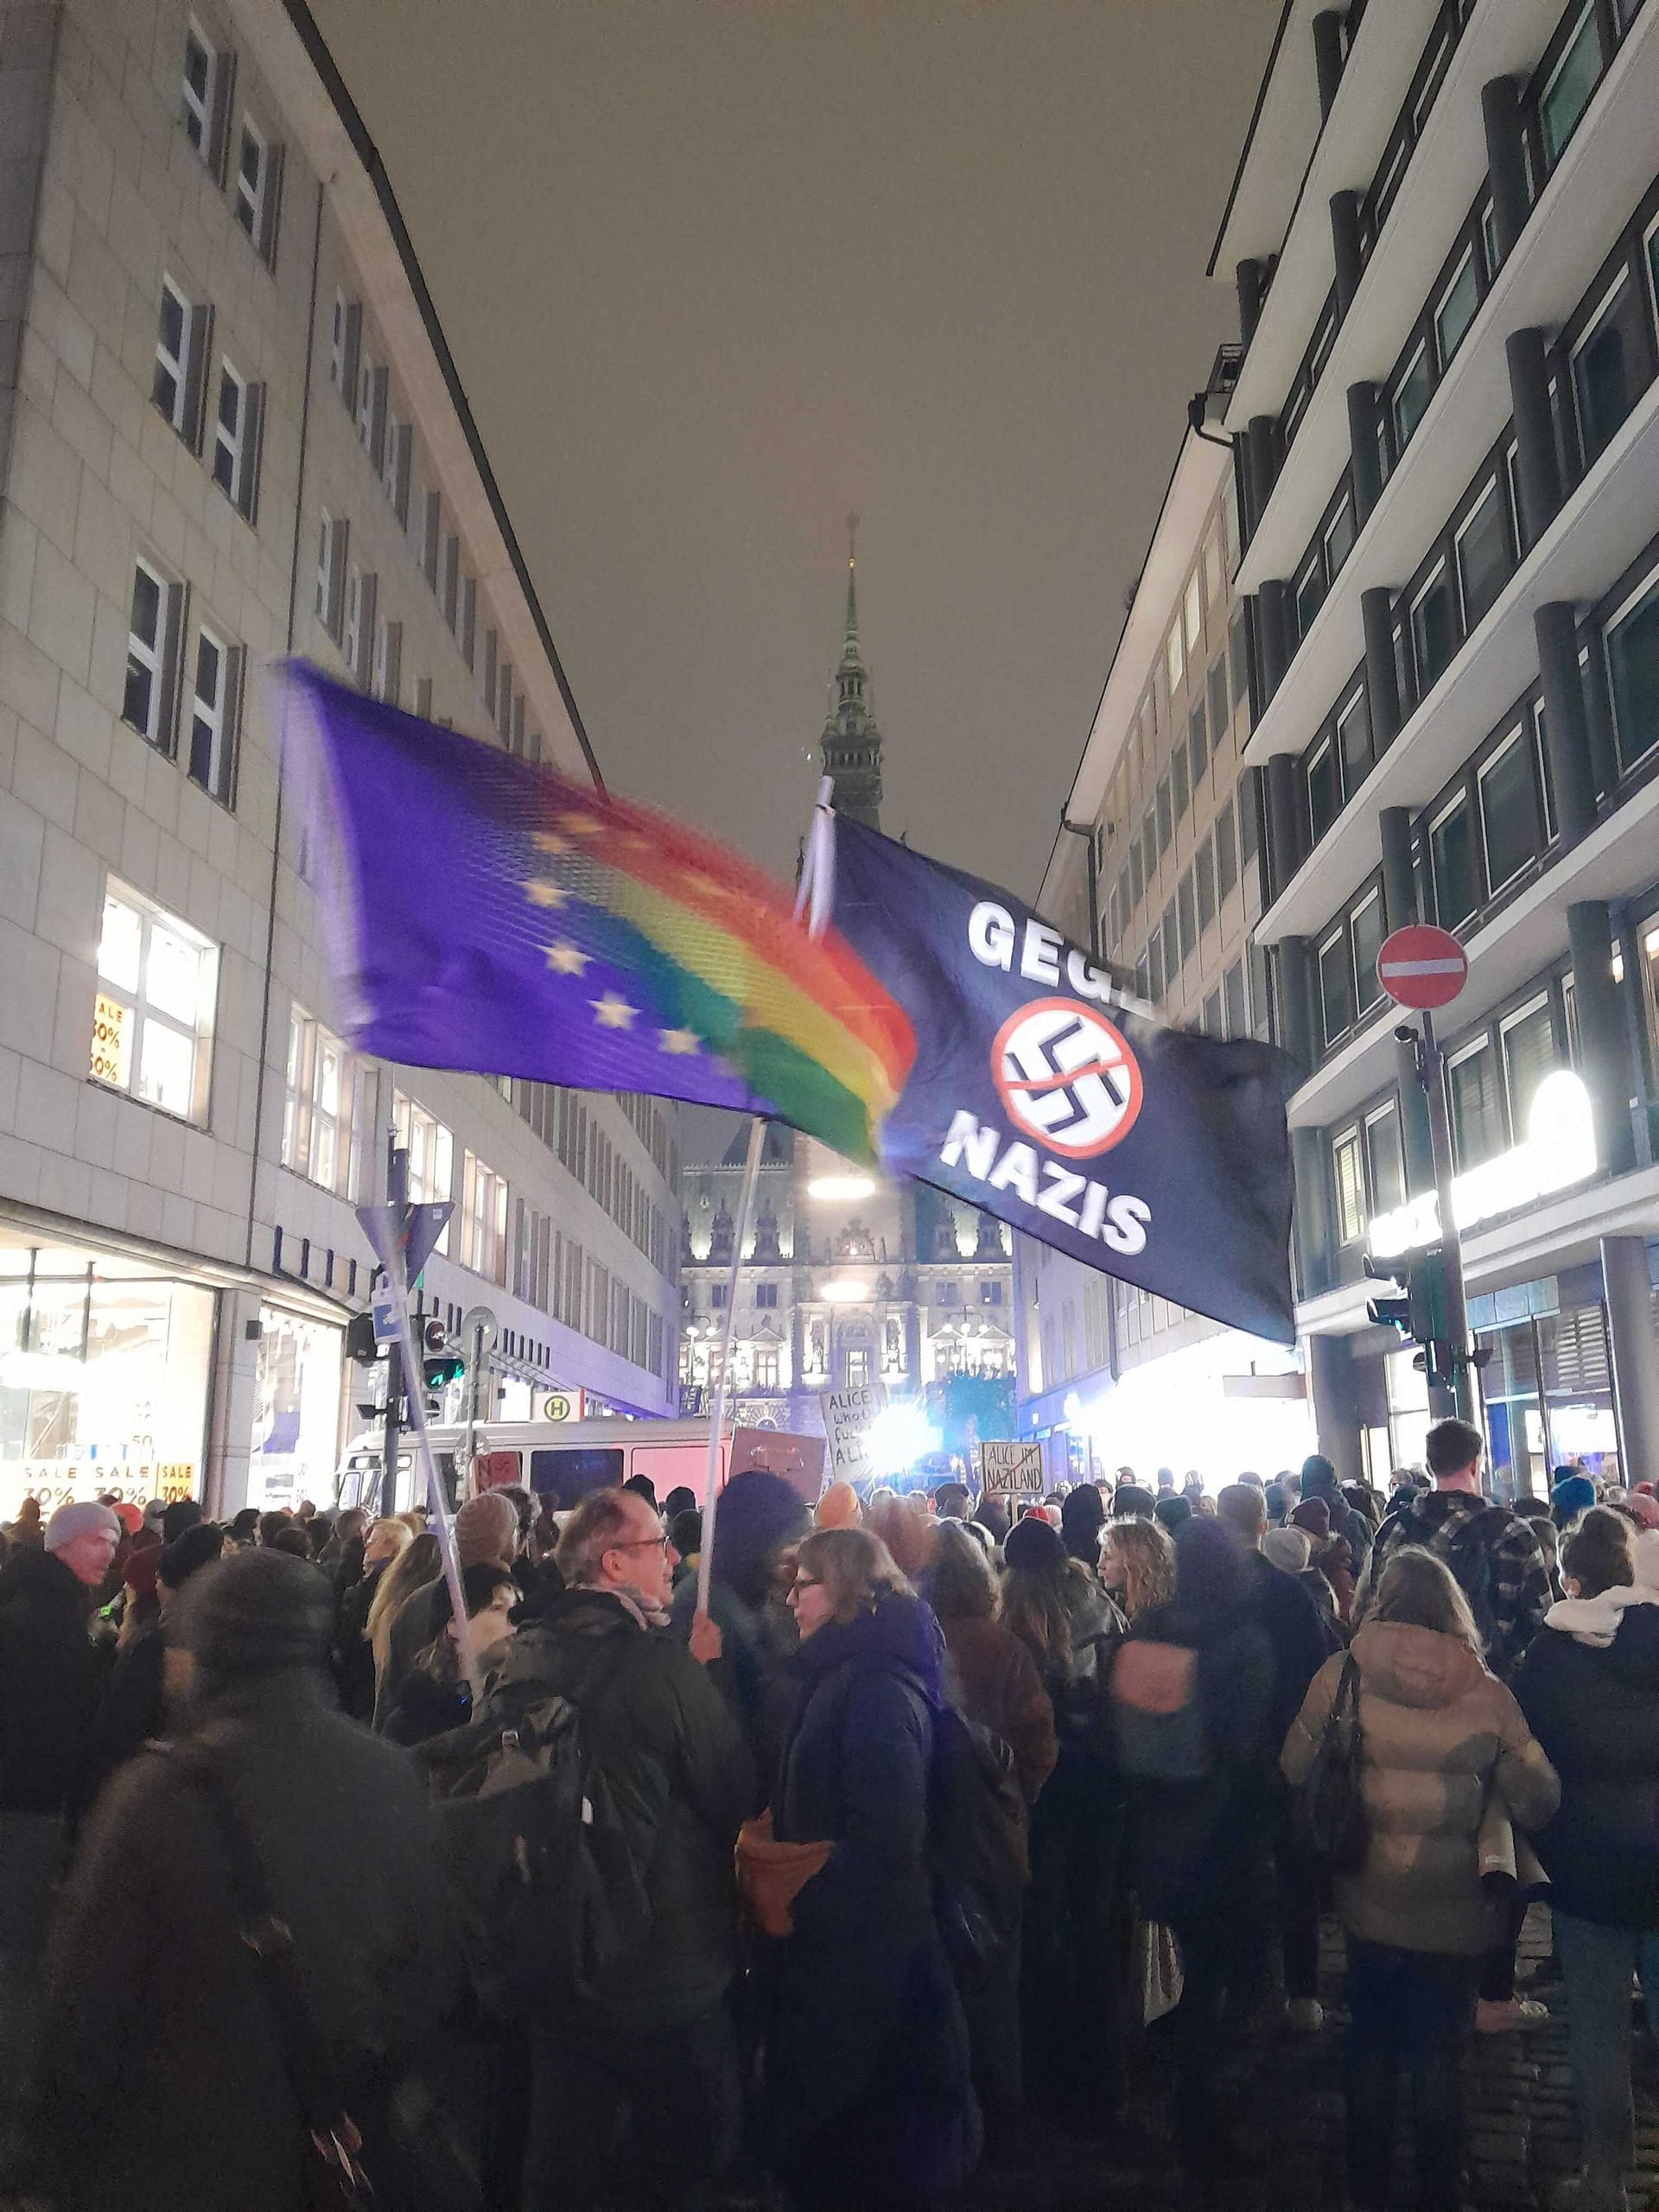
column 848, row 1278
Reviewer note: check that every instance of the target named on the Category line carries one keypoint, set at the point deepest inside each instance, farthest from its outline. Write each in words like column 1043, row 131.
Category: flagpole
column 813, row 896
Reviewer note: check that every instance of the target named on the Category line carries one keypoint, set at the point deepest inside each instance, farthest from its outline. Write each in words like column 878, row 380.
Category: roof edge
column 1250, row 135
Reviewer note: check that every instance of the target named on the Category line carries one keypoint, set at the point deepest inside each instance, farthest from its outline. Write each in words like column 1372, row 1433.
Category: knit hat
column 1033, row 1546
column 131, row 1517
column 79, row 1518
column 1572, row 1495
column 837, row 1507
column 487, row 1529
column 140, row 1575
column 256, row 1612
column 186, row 1554
column 1134, row 1501
column 1287, row 1548
column 1319, row 1476
column 182, row 1514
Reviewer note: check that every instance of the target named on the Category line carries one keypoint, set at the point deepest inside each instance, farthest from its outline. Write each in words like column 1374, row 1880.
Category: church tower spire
column 851, row 744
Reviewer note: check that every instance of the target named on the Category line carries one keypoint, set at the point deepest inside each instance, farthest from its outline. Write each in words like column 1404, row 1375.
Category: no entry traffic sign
column 1422, row 967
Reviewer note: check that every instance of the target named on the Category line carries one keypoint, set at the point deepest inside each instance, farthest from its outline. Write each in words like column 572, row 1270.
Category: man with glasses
column 653, row 2048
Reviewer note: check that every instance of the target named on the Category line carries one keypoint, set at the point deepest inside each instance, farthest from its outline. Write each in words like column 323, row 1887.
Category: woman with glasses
column 867, row 2055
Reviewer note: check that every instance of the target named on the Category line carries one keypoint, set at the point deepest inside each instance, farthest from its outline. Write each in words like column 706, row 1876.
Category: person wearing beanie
column 838, row 1507
column 1329, row 1554
column 487, row 1535
column 1134, row 1501
column 1082, row 1518
column 51, row 1675
column 182, row 1514
column 1319, row 1479
column 133, row 1705
column 167, row 2082
column 130, row 1516
column 758, row 1522
column 1572, row 1493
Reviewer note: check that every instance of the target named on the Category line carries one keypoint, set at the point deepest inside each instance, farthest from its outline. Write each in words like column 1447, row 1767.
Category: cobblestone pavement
column 1521, row 2133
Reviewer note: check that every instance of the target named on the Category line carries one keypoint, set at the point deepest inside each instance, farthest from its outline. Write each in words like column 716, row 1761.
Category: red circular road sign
column 1422, row 967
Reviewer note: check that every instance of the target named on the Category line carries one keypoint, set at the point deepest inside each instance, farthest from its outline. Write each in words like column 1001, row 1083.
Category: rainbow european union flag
column 491, row 916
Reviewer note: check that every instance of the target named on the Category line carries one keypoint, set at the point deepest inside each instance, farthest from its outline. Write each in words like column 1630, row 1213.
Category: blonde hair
column 418, row 1562
column 1148, row 1560
column 853, row 1566
column 1420, row 1590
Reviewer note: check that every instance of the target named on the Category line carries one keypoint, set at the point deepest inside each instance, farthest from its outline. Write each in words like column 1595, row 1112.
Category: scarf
column 1595, row 1621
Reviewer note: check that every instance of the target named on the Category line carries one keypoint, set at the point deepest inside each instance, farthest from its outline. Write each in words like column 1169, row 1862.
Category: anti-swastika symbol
column 1066, row 1077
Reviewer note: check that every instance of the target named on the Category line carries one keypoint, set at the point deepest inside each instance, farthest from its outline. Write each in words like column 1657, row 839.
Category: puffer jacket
column 1440, row 1735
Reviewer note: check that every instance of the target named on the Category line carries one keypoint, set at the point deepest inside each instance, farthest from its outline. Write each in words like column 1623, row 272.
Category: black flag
column 1150, row 1153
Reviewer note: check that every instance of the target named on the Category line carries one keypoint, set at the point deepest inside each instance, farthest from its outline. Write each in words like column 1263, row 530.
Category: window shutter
column 199, row 338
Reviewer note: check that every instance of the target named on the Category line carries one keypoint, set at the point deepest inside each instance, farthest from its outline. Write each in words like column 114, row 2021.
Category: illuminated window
column 153, row 1015
column 317, row 1109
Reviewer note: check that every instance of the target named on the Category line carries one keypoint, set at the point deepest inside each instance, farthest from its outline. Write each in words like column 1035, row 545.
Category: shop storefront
column 104, row 1367
column 296, row 1420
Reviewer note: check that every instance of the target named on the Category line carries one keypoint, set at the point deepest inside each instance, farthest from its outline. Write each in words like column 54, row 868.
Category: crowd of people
column 910, row 1838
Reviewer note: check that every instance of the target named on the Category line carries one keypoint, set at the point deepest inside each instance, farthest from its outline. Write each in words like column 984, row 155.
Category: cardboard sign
column 1011, row 1469
column 848, row 1416
column 798, row 1459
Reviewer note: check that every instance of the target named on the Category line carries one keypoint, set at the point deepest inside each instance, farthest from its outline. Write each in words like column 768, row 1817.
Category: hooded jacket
column 1592, row 1697
column 1440, row 1733
column 683, row 1780
column 1493, row 1555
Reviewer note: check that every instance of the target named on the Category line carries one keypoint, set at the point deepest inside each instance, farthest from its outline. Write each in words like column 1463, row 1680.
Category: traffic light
column 1419, row 1313
column 359, row 1341
column 441, row 1363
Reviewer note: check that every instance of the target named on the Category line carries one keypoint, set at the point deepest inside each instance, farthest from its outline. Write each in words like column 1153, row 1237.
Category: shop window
column 153, row 1015
column 1633, row 674
column 483, row 1220
column 215, row 700
column 1324, row 789
column 431, row 1156
column 1610, row 367
column 1385, row 1160
column 1456, row 309
column 1348, row 1179
column 1567, row 92
column 1529, row 1043
column 317, row 1107
column 1485, row 555
column 1452, row 860
column 1336, row 985
column 1476, row 1092
column 1508, row 811
column 1433, row 631
column 1366, row 930
column 1354, row 741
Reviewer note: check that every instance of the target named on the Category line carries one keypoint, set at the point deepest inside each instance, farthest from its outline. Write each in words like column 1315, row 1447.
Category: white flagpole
column 813, row 897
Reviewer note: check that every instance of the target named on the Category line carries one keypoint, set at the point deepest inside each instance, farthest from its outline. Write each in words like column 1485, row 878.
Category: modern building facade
column 232, row 430
column 1444, row 238
column 848, row 1278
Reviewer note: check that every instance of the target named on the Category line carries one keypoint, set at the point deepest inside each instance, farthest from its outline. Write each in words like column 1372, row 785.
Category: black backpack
column 540, row 1856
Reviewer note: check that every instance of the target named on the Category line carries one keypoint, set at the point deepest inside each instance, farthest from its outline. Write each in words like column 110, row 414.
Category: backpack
column 539, row 1855
column 1158, row 1722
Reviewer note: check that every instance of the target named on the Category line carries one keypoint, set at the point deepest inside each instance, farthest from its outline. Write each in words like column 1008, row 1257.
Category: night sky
column 716, row 272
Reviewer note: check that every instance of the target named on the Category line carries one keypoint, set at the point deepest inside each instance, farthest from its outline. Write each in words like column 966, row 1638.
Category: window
column 1366, row 929
column 1434, row 630
column 317, row 1105
column 1180, row 787
column 1310, row 591
column 1324, row 789
column 1485, row 554
column 1171, row 946
column 1150, row 846
column 359, row 622
column 1226, row 853
column 1477, row 1103
column 1354, row 741
column 1456, row 310
column 212, row 718
column 1529, row 1041
column 253, row 171
column 345, row 343
column 152, row 631
column 717, row 1296
column 1232, row 991
column 1204, row 878
column 1166, row 822
column 1184, row 907
column 1610, row 367
column 388, row 661
column 765, row 1295
column 990, row 1292
column 1218, row 699
column 1153, row 962
column 1210, row 1022
column 1198, row 746
column 332, row 535
column 858, row 1369
column 1192, row 614
column 1339, row 537
column 1174, row 661
column 394, row 471
column 152, row 1019
column 765, row 1365
column 1633, row 676
column 431, row 1155
column 1508, row 811
column 1247, row 817
column 1452, row 860
column 204, row 97
column 171, row 388
column 1336, row 985
column 1410, row 397
column 1347, row 1180
column 1567, row 92
column 237, row 422
column 1385, row 1162
column 483, row 1220
column 1238, row 654
column 374, row 386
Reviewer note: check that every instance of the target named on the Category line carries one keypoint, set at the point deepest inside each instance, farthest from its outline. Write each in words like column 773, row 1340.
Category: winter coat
column 132, row 1708
column 757, row 1644
column 50, row 1680
column 353, row 1658
column 167, row 2085
column 413, row 1625
column 435, row 1697
column 1441, row 1734
column 868, row 2056
column 1299, row 1636
column 1001, row 1688
column 685, row 1782
column 1494, row 1557
column 1594, row 1707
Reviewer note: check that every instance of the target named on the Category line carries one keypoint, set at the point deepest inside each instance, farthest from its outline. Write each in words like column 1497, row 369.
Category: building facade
column 1444, row 235
column 231, row 431
column 848, row 1279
